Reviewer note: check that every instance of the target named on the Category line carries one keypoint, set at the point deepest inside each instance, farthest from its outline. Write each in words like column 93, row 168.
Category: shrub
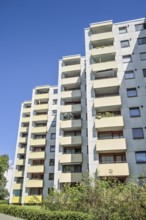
column 36, row 214
column 3, row 201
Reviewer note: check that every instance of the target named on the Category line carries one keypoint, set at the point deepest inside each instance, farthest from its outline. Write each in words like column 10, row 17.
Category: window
column 137, row 133
column 141, row 40
column 140, row 27
column 143, row 56
column 112, row 158
column 55, row 91
column 125, row 43
column 131, row 92
column 134, row 112
column 53, row 124
column 110, row 135
column 54, row 112
column 144, row 72
column 127, row 58
column 122, row 30
column 129, row 74
column 51, row 176
column 53, row 135
column 140, row 157
column 52, row 148
column 51, row 162
column 17, row 192
column 54, row 101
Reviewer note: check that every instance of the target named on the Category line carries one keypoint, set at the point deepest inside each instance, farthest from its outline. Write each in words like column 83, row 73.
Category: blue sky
column 34, row 35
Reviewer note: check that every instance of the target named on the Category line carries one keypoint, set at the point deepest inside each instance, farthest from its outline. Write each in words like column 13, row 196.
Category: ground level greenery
column 91, row 199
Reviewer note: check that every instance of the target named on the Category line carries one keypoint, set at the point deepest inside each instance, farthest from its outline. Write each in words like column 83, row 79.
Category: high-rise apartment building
column 35, row 150
column 96, row 122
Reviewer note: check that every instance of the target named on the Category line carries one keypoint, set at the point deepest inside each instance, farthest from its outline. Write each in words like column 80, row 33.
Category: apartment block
column 71, row 159
column 35, row 150
column 93, row 121
column 116, row 97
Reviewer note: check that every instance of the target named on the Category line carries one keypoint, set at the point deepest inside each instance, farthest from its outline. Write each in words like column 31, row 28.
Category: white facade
column 97, row 120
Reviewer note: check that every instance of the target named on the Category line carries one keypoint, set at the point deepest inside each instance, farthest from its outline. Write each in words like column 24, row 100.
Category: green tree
column 4, row 166
column 106, row 199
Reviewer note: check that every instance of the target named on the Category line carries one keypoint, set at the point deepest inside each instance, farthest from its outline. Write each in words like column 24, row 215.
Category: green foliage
column 3, row 202
column 105, row 199
column 4, row 166
column 41, row 214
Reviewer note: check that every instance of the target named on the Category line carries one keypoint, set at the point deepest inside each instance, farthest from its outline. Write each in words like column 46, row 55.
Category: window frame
column 54, row 102
column 124, row 56
column 51, row 162
column 52, row 148
column 51, row 136
column 125, row 46
column 55, row 91
column 140, row 152
column 50, row 178
column 142, row 39
column 134, row 108
column 130, row 89
column 123, row 28
column 141, row 57
column 53, row 124
column 144, row 72
column 129, row 72
column 138, row 136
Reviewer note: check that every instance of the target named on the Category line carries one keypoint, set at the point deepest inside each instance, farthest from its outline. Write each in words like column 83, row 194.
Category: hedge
column 3, row 202
column 41, row 214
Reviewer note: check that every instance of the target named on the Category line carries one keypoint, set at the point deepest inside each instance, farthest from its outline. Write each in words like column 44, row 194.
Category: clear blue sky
column 34, row 34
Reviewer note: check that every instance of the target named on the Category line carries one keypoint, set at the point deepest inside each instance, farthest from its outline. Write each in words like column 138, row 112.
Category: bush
column 3, row 201
column 36, row 214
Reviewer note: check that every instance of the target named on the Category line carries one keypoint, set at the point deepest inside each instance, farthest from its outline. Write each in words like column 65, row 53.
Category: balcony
column 71, row 124
column 23, row 140
column 39, row 130
column 19, row 173
column 70, row 82
column 70, row 177
column 103, row 50
column 113, row 169
column 111, row 101
column 41, row 107
column 35, row 169
column 24, row 129
column 105, row 83
column 16, row 199
column 29, row 199
column 71, row 94
column 71, row 108
column 71, row 158
column 21, row 150
column 20, row 162
column 17, row 186
column 38, row 142
column 102, row 36
column 104, row 66
column 71, row 68
column 37, row 155
column 109, row 145
column 40, row 118
column 25, row 119
column 71, row 141
column 26, row 110
column 34, row 183
column 41, row 96
column 109, row 123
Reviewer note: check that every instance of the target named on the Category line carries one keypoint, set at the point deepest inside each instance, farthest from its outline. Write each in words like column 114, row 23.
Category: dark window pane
column 131, row 92
column 134, row 112
column 137, row 133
